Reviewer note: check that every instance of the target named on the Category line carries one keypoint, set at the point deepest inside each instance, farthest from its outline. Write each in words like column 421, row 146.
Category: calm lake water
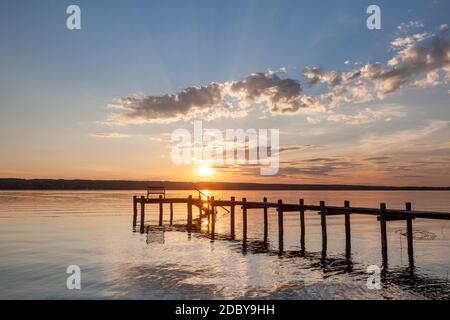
column 43, row 232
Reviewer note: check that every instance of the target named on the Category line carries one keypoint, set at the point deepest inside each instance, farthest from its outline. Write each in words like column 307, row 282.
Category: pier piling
column 302, row 226
column 134, row 211
column 200, row 209
column 189, row 214
column 160, row 211
column 244, row 223
column 232, row 219
column 213, row 218
column 323, row 222
column 142, row 229
column 171, row 214
column 383, row 231
column 208, row 214
column 348, row 241
column 280, row 227
column 266, row 222
column 409, row 233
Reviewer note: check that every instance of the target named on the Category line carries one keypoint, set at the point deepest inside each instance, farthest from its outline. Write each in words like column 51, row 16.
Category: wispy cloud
column 369, row 115
column 111, row 135
column 296, row 148
column 382, row 158
column 400, row 139
column 385, row 112
column 405, row 27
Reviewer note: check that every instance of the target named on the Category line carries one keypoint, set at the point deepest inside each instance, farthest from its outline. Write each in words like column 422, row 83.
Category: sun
column 205, row 171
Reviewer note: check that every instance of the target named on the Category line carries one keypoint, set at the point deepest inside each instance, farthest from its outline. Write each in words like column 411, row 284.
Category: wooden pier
column 207, row 210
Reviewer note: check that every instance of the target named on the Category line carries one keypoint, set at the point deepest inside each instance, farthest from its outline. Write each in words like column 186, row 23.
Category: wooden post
column 232, row 219
column 189, row 214
column 171, row 214
column 142, row 214
column 266, row 221
column 280, row 227
column 244, row 220
column 383, row 230
column 134, row 211
column 409, row 234
column 160, row 211
column 323, row 222
column 213, row 219
column 208, row 215
column 200, row 207
column 302, row 226
column 348, row 242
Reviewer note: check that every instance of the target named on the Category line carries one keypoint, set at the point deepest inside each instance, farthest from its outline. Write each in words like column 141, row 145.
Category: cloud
column 280, row 95
column 278, row 71
column 230, row 99
column 113, row 135
column 412, row 61
column 411, row 176
column 431, row 80
column 321, row 160
column 369, row 115
column 381, row 158
column 317, row 75
column 408, row 26
column 355, row 168
column 409, row 40
column 400, row 139
column 295, row 148
column 317, row 167
column 383, row 112
column 357, row 92
column 417, row 62
column 312, row 120
column 321, row 170
column 169, row 107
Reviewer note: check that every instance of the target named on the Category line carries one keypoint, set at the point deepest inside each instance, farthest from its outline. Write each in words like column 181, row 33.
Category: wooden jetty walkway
column 207, row 209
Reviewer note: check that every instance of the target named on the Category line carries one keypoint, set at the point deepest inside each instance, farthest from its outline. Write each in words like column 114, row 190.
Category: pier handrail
column 202, row 193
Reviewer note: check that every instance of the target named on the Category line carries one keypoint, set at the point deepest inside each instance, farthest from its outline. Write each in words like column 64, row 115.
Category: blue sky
column 56, row 84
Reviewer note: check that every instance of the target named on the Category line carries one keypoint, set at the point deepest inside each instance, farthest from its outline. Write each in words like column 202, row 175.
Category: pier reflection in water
column 408, row 278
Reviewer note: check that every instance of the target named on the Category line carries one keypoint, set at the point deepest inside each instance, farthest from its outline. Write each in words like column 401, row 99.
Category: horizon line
column 77, row 184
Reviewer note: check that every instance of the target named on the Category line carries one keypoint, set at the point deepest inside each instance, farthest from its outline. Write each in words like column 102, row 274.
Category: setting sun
column 205, row 171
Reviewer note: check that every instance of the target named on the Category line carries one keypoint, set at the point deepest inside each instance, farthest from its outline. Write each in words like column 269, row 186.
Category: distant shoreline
column 62, row 184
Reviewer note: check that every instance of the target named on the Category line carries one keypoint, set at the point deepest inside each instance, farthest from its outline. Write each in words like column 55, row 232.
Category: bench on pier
column 159, row 191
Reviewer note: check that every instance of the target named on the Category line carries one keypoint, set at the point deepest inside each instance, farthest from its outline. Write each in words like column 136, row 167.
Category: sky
column 352, row 105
